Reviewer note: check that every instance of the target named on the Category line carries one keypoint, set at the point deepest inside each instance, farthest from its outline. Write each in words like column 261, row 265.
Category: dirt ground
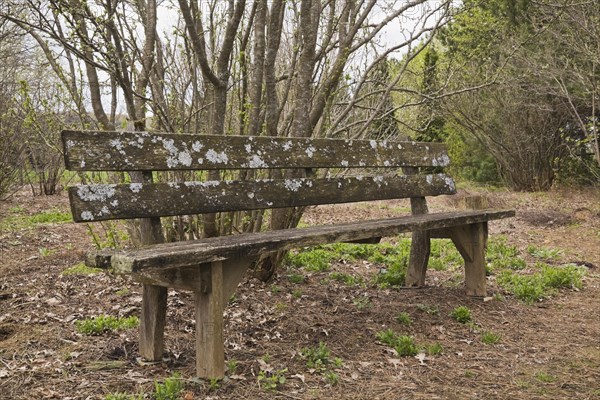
column 548, row 350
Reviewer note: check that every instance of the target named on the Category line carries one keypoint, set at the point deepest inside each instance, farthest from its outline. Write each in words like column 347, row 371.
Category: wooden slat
column 127, row 151
column 197, row 252
column 103, row 202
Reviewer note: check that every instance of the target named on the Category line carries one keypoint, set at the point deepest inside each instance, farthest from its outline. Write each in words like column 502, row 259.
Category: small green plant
column 296, row 293
column 317, row 358
column 123, row 396
column 296, row 278
column 332, row 378
column 502, row 256
column 275, row 288
column 122, row 292
column 544, row 253
column 545, row 377
column 488, row 337
column 45, row 252
column 362, row 302
column 404, row 345
column 434, row 349
column 461, row 314
column 111, row 237
column 344, row 278
column 231, row 366
column 214, row 384
column 271, row 380
column 315, row 260
column 81, row 269
column 170, row 389
column 404, row 319
column 429, row 310
column 532, row 288
column 105, row 323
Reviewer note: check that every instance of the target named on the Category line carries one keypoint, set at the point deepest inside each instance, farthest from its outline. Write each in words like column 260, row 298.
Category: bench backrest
column 376, row 177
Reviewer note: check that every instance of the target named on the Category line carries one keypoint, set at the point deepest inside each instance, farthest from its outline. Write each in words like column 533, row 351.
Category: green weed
column 319, row 358
column 112, row 236
column 444, row 255
column 488, row 337
column 532, row 288
column 434, row 349
column 544, row 253
column 404, row 319
column 315, row 260
column 81, row 269
column 545, row 377
column 461, row 314
column 170, row 389
column 271, row 380
column 429, row 310
column 344, row 278
column 362, row 302
column 123, row 396
column 404, row 345
column 17, row 222
column 105, row 323
column 45, row 252
column 500, row 255
column 231, row 366
column 296, row 278
column 332, row 378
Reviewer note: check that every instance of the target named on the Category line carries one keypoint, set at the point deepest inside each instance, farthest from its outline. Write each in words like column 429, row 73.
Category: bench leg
column 419, row 257
column 471, row 241
column 210, row 352
column 152, row 323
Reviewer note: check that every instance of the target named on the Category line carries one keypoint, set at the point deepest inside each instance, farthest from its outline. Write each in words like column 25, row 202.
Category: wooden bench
column 213, row 267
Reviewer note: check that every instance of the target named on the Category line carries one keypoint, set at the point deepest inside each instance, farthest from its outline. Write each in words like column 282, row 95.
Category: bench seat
column 196, row 252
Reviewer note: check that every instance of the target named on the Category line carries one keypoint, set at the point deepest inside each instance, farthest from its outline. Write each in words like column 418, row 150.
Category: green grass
column 296, row 278
column 170, row 389
column 544, row 377
column 488, row 337
column 123, row 396
column 319, row 358
column 542, row 284
column 18, row 222
column 81, row 269
column 462, row 314
column 501, row 256
column 105, row 323
column 544, row 253
column 404, row 345
column 434, row 349
column 344, row 278
column 404, row 319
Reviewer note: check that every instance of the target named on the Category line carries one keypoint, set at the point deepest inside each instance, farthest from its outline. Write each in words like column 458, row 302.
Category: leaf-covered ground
column 310, row 334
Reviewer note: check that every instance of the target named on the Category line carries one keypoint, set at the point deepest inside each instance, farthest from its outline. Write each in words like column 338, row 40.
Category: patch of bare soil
column 549, row 350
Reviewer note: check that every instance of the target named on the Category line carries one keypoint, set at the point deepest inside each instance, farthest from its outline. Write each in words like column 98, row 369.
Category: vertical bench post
column 471, row 240
column 154, row 298
column 210, row 352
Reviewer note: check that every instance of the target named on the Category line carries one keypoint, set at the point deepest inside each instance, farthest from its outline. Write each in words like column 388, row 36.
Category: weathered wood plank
column 103, row 202
column 124, row 151
column 173, row 255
